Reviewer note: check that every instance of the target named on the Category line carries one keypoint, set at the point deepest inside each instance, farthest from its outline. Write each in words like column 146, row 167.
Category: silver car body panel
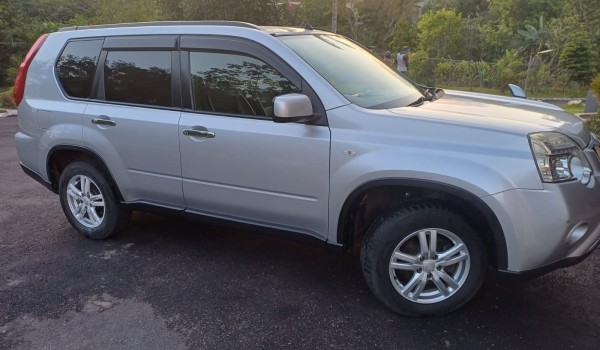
column 142, row 150
column 257, row 171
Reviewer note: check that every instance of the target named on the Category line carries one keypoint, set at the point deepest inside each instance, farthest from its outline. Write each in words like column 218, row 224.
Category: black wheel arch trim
column 85, row 150
column 37, row 177
column 344, row 237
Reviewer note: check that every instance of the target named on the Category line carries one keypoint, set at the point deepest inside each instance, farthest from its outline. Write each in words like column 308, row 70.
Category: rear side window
column 139, row 77
column 76, row 67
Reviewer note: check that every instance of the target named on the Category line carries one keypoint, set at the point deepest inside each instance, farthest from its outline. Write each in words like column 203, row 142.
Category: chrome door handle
column 199, row 133
column 107, row 122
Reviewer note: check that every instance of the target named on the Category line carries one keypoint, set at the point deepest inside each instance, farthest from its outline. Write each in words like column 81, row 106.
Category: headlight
column 559, row 158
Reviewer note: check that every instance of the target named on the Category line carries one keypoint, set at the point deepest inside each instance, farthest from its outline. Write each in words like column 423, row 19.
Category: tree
column 440, row 33
column 534, row 39
column 578, row 58
column 467, row 8
column 583, row 17
column 378, row 19
column 261, row 12
column 317, row 13
column 405, row 34
column 125, row 11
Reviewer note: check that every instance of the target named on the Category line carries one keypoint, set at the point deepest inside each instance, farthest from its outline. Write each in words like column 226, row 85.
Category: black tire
column 403, row 226
column 110, row 218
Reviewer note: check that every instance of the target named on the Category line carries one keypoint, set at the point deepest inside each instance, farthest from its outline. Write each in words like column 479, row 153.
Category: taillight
column 19, row 89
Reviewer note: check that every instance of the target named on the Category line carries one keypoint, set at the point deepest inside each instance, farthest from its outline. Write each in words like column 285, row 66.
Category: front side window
column 235, row 84
column 361, row 77
column 139, row 77
column 76, row 67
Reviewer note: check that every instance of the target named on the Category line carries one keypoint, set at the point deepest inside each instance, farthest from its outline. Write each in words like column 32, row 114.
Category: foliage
column 467, row 8
column 405, row 34
column 125, row 11
column 595, row 86
column 317, row 13
column 378, row 19
column 583, row 17
column 261, row 12
column 440, row 33
column 442, row 71
column 421, row 68
column 473, row 43
column 534, row 39
column 6, row 99
column 593, row 124
column 578, row 58
column 507, row 70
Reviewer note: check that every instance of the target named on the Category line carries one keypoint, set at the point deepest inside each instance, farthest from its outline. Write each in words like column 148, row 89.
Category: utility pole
column 334, row 13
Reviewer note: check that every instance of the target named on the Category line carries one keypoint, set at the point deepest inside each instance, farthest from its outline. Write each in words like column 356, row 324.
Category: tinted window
column 235, row 84
column 140, row 77
column 76, row 67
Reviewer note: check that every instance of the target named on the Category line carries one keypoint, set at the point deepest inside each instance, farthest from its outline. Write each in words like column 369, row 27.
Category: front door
column 236, row 162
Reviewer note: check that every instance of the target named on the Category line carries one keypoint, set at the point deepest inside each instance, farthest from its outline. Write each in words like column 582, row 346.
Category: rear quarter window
column 76, row 67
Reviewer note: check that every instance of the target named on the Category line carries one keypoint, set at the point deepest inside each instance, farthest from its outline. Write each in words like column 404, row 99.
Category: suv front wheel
column 423, row 260
column 89, row 202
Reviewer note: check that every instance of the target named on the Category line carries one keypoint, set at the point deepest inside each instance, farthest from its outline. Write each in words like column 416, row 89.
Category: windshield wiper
column 418, row 102
column 432, row 94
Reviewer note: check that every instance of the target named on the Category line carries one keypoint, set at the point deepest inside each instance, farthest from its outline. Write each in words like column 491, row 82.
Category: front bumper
column 509, row 276
column 546, row 229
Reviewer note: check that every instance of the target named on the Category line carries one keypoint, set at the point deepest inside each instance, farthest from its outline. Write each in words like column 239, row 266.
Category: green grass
column 2, row 110
column 550, row 93
column 476, row 89
column 559, row 93
column 574, row 109
column 4, row 88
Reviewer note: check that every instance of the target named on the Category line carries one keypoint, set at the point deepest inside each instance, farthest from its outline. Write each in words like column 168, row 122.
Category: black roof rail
column 165, row 23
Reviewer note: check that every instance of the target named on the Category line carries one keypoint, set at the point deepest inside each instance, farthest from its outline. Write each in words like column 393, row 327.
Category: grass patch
column 551, row 93
column 574, row 109
column 2, row 110
column 476, row 89
column 558, row 93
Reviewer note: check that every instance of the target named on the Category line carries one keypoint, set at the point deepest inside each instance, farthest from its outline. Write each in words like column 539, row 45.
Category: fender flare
column 88, row 152
column 343, row 237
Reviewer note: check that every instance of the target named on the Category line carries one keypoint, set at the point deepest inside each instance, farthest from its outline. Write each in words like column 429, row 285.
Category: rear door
column 133, row 121
column 236, row 162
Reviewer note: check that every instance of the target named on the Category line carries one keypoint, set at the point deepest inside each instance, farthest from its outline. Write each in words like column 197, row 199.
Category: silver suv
column 305, row 133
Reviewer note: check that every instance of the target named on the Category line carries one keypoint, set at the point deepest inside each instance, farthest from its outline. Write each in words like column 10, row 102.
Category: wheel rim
column 86, row 201
column 429, row 265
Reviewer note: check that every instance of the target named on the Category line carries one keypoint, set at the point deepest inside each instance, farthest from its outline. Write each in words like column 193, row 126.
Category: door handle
column 106, row 122
column 199, row 133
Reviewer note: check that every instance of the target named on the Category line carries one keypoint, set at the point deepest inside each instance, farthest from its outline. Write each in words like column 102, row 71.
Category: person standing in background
column 402, row 60
column 387, row 58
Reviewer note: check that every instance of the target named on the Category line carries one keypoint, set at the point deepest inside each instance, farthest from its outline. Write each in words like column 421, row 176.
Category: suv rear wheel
column 89, row 202
column 423, row 260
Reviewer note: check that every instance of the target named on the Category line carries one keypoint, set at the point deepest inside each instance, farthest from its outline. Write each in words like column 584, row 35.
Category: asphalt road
column 166, row 283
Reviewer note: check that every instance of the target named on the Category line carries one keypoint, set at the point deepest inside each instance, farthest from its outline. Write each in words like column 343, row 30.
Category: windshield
column 361, row 77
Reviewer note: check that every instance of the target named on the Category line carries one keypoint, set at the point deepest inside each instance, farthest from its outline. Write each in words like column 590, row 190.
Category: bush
column 595, row 86
column 6, row 99
column 442, row 72
column 593, row 124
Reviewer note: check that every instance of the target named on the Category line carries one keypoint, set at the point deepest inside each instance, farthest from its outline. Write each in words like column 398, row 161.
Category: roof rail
column 165, row 23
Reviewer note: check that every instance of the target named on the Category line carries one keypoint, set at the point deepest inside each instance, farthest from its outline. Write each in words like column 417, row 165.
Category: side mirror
column 516, row 91
column 292, row 108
